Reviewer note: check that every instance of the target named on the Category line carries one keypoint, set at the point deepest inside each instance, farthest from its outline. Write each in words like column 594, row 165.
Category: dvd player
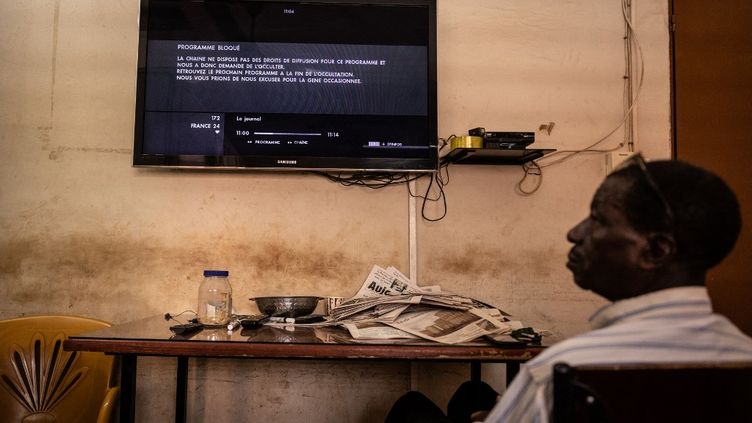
column 503, row 140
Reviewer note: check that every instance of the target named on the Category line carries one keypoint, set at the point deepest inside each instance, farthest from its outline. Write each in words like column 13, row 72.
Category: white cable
column 640, row 65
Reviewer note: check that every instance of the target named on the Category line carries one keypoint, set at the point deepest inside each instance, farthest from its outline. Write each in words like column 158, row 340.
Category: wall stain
column 44, row 136
column 470, row 263
column 12, row 255
column 55, row 30
column 98, row 269
column 57, row 153
column 113, row 273
column 472, row 260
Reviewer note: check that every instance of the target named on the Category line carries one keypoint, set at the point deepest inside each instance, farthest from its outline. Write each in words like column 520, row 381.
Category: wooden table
column 152, row 337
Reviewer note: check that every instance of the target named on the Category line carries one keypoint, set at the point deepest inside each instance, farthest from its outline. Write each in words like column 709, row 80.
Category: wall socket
column 614, row 159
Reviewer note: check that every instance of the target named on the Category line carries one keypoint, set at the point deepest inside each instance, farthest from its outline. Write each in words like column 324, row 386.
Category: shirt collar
column 652, row 303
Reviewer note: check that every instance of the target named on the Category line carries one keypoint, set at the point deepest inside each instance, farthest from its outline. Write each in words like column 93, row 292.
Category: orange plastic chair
column 42, row 383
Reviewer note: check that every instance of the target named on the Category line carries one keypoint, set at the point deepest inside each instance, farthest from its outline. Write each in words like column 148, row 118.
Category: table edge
column 439, row 352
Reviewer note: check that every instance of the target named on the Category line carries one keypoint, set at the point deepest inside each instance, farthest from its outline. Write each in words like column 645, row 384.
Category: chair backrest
column 703, row 392
column 40, row 382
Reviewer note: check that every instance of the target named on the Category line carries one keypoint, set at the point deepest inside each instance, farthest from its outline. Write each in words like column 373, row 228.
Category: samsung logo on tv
column 287, row 162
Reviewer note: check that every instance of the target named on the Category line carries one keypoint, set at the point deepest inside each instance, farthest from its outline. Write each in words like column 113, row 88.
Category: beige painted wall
column 83, row 232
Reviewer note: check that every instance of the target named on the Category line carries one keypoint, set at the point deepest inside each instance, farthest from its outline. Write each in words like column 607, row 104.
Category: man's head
column 652, row 227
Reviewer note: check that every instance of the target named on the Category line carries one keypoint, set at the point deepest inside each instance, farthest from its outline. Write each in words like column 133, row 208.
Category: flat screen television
column 303, row 85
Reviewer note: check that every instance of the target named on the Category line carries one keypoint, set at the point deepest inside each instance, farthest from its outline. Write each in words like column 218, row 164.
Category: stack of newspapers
column 391, row 306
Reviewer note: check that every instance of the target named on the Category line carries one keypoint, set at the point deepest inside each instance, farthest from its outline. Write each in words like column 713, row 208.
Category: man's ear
column 660, row 248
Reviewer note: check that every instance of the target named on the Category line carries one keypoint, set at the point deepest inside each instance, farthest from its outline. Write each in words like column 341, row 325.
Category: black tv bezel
column 294, row 163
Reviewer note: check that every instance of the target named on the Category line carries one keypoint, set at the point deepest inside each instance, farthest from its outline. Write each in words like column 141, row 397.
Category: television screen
column 324, row 85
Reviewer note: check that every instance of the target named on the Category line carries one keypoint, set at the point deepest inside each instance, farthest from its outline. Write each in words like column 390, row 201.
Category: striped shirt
column 673, row 325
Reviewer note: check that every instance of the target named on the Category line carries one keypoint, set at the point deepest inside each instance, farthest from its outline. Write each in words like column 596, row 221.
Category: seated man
column 653, row 232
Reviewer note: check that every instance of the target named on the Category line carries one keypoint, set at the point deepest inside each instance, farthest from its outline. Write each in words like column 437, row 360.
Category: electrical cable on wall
column 439, row 179
column 382, row 180
column 631, row 98
column 376, row 180
column 532, row 170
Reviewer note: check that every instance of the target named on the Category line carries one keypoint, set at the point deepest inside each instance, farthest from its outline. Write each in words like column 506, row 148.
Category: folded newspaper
column 391, row 306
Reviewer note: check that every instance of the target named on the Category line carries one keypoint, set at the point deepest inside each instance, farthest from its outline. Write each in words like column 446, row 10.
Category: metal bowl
column 286, row 306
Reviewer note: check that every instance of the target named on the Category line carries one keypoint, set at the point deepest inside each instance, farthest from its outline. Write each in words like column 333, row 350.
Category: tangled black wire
column 441, row 179
column 378, row 180
column 370, row 180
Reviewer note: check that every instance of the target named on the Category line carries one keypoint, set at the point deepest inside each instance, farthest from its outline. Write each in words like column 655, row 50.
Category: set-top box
column 500, row 139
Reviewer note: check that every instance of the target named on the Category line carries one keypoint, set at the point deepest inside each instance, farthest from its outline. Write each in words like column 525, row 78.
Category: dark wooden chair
column 707, row 392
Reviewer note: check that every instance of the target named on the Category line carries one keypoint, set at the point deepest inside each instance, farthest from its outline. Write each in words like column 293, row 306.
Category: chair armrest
column 108, row 405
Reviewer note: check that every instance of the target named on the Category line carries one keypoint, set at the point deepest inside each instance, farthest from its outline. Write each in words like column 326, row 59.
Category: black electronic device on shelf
column 497, row 148
column 503, row 139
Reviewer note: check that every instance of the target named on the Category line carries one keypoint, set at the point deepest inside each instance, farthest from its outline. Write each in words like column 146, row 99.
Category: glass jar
column 215, row 298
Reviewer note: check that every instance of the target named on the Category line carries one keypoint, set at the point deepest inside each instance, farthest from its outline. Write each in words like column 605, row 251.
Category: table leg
column 128, row 388
column 181, row 390
column 475, row 375
column 512, row 370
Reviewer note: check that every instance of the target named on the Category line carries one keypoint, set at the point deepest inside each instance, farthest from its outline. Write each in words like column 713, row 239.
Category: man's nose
column 575, row 234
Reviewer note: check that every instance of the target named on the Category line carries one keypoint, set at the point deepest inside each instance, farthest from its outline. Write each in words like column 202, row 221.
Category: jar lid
column 209, row 273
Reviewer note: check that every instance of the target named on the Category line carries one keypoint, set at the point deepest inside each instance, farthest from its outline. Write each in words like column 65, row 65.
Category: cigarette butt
column 233, row 325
